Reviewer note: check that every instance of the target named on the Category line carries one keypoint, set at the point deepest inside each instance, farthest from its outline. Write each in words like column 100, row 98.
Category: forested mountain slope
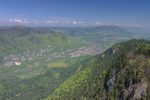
column 36, row 60
column 26, row 40
column 121, row 72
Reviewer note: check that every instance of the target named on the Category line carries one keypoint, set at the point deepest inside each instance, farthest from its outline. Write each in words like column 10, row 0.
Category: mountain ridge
column 103, row 75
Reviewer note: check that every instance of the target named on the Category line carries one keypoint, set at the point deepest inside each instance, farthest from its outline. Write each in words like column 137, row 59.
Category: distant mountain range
column 68, row 63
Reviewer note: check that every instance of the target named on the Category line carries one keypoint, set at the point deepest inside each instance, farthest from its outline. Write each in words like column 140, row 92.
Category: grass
column 58, row 64
column 65, row 62
column 56, row 43
column 25, row 74
column 30, row 69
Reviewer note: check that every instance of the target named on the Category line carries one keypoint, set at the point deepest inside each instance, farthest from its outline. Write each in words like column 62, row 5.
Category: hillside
column 74, row 50
column 105, row 36
column 121, row 72
column 18, row 39
column 36, row 62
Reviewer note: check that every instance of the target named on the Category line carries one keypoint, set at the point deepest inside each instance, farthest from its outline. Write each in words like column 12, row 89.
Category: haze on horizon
column 75, row 12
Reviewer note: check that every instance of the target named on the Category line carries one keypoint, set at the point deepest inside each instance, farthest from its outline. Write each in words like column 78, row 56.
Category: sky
column 75, row 12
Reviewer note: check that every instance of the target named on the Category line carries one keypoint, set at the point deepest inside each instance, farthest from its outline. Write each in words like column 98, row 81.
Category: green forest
column 45, row 64
column 123, row 74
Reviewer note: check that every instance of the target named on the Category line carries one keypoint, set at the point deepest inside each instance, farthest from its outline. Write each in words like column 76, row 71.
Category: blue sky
column 75, row 12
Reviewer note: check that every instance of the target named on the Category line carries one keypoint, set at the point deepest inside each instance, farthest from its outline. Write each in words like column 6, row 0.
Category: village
column 83, row 51
column 18, row 59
